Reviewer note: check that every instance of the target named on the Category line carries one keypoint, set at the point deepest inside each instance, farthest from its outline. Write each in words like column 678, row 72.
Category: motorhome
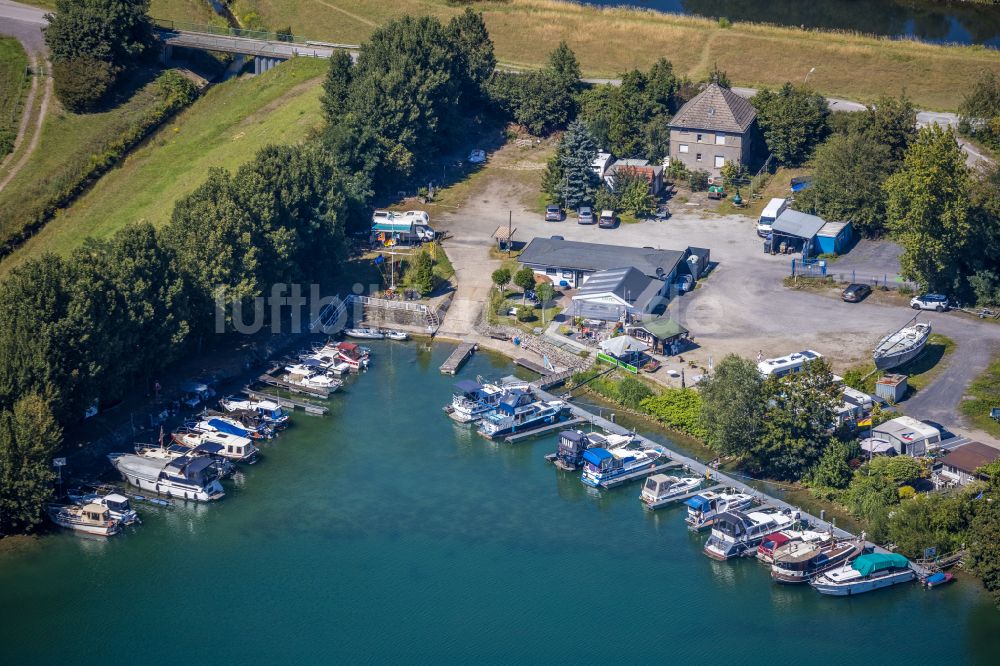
column 771, row 211
column 787, row 365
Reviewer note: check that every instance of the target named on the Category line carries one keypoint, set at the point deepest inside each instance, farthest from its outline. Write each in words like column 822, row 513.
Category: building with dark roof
column 568, row 263
column 715, row 127
column 610, row 295
column 960, row 466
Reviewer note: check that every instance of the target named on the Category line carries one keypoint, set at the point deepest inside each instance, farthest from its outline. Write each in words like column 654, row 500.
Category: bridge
column 266, row 48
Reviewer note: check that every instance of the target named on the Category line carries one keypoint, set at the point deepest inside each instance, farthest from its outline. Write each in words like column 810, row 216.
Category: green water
column 384, row 532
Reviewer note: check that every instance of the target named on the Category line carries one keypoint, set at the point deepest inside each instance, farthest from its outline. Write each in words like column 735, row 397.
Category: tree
column 475, row 49
column 983, row 545
column 545, row 292
column 564, row 67
column 525, row 279
column 697, row 179
column 605, row 199
column 596, row 105
column 631, row 392
column 793, row 121
column 632, row 190
column 423, row 278
column 733, row 173
column 630, row 111
column 29, row 437
column 720, row 77
column 501, row 278
column 930, row 521
column 891, row 122
column 534, row 100
column 868, row 496
column 733, row 406
column 81, row 84
column 897, row 469
column 847, row 182
column 979, row 113
column 927, row 209
column 832, row 470
column 336, row 86
column 576, row 154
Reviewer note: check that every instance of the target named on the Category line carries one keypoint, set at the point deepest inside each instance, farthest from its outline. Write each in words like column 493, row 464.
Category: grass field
column 14, row 84
column 187, row 10
column 921, row 371
column 984, row 394
column 222, row 129
column 608, row 41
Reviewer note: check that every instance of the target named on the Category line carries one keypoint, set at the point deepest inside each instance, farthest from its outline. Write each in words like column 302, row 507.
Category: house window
column 720, row 139
column 550, row 271
column 699, row 138
column 698, row 157
column 719, row 161
column 682, row 147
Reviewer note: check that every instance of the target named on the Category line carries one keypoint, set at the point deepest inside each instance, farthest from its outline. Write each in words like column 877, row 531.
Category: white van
column 772, row 210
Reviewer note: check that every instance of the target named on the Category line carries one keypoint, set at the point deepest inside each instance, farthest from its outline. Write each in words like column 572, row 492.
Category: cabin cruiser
column 187, row 477
column 354, row 356
column 233, row 447
column 902, row 346
column 771, row 542
column 326, row 358
column 867, row 572
column 309, row 377
column 517, row 412
column 603, row 466
column 223, row 466
column 231, row 427
column 471, row 400
column 572, row 444
column 90, row 518
column 117, row 504
column 268, row 411
column 800, row 561
column 662, row 489
column 395, row 335
column 735, row 533
column 705, row 507
column 364, row 333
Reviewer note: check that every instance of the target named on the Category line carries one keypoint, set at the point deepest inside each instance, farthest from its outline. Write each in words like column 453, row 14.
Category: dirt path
column 36, row 131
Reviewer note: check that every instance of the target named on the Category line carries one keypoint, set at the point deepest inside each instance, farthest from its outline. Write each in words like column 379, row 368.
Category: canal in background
column 386, row 532
column 928, row 20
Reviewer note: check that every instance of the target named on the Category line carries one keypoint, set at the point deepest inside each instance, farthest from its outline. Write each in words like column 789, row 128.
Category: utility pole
column 510, row 221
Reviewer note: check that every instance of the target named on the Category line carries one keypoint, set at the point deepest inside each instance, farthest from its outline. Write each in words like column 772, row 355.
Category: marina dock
column 640, row 474
column 534, row 367
column 562, row 425
column 458, row 358
column 271, row 380
column 307, row 407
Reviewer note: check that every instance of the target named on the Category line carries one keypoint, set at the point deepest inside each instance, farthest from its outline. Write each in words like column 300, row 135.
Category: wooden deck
column 271, row 380
column 534, row 367
column 562, row 425
column 307, row 407
column 458, row 358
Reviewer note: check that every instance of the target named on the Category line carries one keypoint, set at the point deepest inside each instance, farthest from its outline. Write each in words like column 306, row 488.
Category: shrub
column 724, row 22
column 82, row 83
column 631, row 392
column 698, row 180
column 525, row 313
column 677, row 408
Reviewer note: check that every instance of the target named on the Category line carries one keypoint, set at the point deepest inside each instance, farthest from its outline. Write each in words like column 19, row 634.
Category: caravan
column 772, row 210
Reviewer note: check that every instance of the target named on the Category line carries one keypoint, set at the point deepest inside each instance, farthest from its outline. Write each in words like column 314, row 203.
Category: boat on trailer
column 901, row 346
column 90, row 518
column 799, row 562
column 705, row 507
column 663, row 489
column 738, row 533
column 604, row 466
column 868, row 572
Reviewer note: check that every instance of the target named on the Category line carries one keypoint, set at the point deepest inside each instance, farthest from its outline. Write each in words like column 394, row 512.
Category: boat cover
column 699, row 503
column 872, row 562
column 595, row 456
column 467, row 386
column 935, row 578
column 223, row 426
column 573, row 435
column 208, row 448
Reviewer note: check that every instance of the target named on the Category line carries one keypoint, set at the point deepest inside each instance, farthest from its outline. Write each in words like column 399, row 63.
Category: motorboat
column 269, row 411
column 391, row 334
column 118, row 505
column 771, row 542
column 662, row 489
column 354, row 356
column 902, row 346
column 326, row 358
column 938, row 579
column 735, row 533
column 470, row 400
column 307, row 377
column 364, row 333
column 519, row 412
column 799, row 562
column 230, row 426
column 572, row 444
column 867, row 572
column 187, row 477
column 706, row 506
column 233, row 447
column 90, row 518
column 224, row 467
column 603, row 467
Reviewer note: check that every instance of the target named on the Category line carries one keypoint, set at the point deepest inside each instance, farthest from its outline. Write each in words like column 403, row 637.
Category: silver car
column 585, row 216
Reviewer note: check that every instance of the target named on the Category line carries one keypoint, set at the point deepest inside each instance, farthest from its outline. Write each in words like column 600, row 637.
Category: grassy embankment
column 984, row 395
column 198, row 11
column 609, row 41
column 223, row 128
column 14, row 85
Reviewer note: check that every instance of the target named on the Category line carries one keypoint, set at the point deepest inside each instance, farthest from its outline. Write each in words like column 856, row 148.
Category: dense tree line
column 793, row 121
column 979, row 113
column 92, row 43
column 542, row 101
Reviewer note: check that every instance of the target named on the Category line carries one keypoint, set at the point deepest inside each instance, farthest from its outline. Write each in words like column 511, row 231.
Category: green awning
column 867, row 564
column 663, row 328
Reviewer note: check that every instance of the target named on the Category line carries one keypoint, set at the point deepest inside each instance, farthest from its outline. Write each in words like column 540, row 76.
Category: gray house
column 716, row 127
column 569, row 263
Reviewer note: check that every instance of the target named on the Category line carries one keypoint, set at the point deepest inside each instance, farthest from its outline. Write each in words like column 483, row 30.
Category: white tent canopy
column 622, row 345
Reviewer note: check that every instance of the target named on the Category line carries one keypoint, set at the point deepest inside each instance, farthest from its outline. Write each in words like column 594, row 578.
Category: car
column 557, row 238
column 477, row 156
column 662, row 212
column 929, row 302
column 607, row 220
column 585, row 215
column 553, row 214
column 855, row 293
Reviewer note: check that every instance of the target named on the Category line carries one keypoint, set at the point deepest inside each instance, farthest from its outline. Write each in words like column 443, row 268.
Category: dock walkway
column 458, row 358
column 307, row 407
column 562, row 425
column 270, row 380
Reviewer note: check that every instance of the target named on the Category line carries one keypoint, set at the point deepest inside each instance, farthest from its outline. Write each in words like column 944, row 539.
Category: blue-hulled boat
column 517, row 411
column 471, row 400
column 602, row 466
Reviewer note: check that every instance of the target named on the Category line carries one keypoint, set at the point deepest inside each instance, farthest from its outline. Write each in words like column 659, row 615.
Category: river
column 928, row 20
column 384, row 532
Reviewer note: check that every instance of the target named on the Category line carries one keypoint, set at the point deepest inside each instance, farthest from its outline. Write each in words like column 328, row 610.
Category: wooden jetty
column 291, row 403
column 640, row 474
column 550, row 380
column 680, row 498
column 271, row 380
column 534, row 367
column 561, row 425
column 458, row 358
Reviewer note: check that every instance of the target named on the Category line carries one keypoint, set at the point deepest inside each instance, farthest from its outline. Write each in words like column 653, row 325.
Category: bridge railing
column 227, row 31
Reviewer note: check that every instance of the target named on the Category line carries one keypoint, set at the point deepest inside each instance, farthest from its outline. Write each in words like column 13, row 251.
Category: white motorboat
column 901, row 347
column 773, row 542
column 118, row 505
column 868, row 572
column 353, row 355
column 799, row 562
column 706, row 506
column 603, row 467
column 518, row 412
column 470, row 400
column 392, row 334
column 662, row 489
column 364, row 333
column 90, row 518
column 307, row 377
column 188, row 477
column 233, row 447
column 735, row 533
column 223, row 466
column 268, row 410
